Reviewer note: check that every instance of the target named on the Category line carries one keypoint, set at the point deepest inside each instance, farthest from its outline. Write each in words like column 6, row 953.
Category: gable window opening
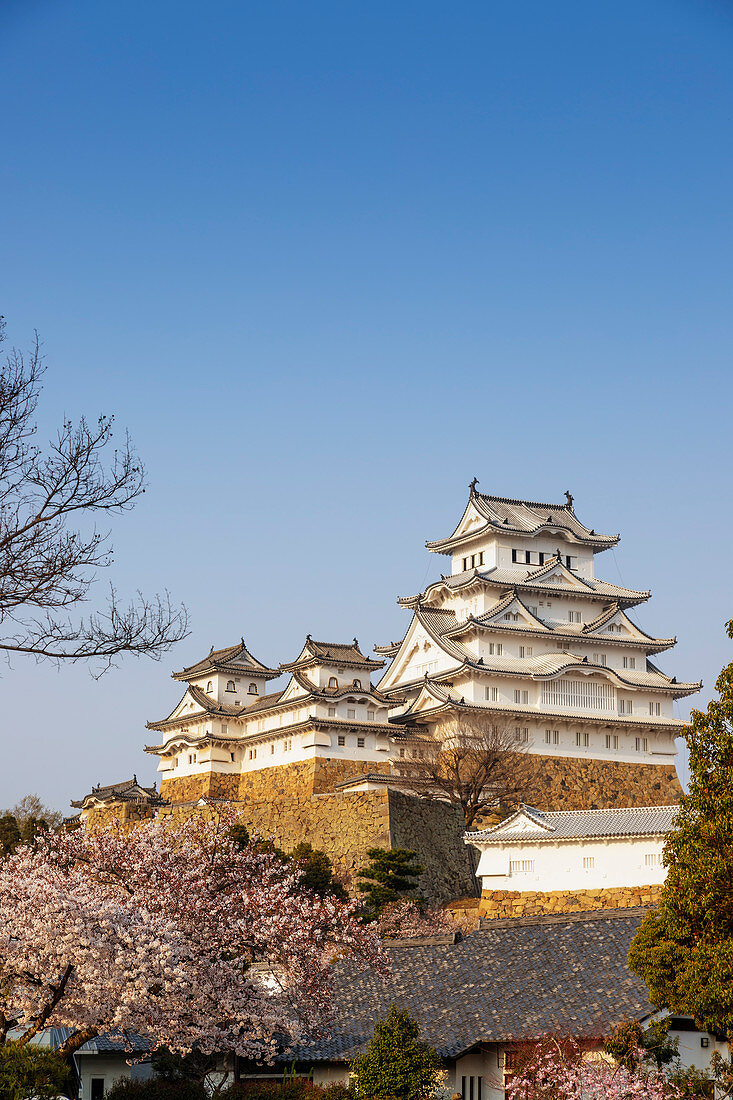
column 356, row 684
column 252, row 689
column 333, row 682
column 209, row 687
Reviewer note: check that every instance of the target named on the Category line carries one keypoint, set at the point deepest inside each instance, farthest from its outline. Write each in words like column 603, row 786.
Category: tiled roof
column 339, row 653
column 514, row 980
column 555, row 825
column 104, row 1044
column 235, row 658
column 533, row 578
column 125, row 791
column 523, row 517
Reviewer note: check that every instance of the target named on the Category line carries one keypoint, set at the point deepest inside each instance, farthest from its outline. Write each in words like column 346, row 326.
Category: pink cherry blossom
column 559, row 1070
column 174, row 932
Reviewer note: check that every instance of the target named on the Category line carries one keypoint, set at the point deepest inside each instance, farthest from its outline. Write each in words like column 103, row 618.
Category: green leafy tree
column 684, row 950
column 10, row 836
column 396, row 1063
column 317, row 871
column 388, row 878
column 31, row 1071
column 629, row 1037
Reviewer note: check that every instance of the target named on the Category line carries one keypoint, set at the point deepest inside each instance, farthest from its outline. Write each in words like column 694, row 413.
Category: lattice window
column 580, row 694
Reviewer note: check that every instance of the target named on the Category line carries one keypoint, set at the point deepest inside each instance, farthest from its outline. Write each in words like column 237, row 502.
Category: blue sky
column 329, row 261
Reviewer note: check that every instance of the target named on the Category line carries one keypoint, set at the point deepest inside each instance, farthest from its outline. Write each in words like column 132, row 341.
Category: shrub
column 155, row 1088
column 31, row 1071
column 396, row 1064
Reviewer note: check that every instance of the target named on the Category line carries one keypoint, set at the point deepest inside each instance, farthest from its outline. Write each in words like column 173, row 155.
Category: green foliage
column 289, row 1088
column 396, row 1063
column 155, row 1088
column 629, row 1037
column 31, row 1071
column 191, row 1068
column 693, row 1084
column 684, row 950
column 317, row 871
column 10, row 836
column 387, row 878
column 240, row 835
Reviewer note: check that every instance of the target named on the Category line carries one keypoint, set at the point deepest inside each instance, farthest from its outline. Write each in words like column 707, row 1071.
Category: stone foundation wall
column 499, row 904
column 565, row 783
column 434, row 830
column 126, row 812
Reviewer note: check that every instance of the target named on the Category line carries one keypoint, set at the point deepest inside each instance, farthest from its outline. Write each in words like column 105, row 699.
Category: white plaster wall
column 559, row 866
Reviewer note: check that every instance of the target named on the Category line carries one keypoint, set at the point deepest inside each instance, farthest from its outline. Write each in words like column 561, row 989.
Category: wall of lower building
column 502, row 904
column 107, row 1068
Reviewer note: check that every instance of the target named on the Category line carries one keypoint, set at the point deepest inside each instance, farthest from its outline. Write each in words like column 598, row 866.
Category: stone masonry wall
column 297, row 802
column 434, row 830
column 498, row 904
column 564, row 783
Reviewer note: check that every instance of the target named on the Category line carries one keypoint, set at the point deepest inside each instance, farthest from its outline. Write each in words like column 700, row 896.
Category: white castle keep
column 520, row 630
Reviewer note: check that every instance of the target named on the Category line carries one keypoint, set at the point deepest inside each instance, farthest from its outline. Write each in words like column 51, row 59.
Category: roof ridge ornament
column 569, row 500
column 472, row 486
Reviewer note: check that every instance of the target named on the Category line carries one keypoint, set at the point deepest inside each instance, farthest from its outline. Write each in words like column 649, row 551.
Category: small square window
column 351, row 714
column 402, row 752
column 370, row 716
column 360, row 742
column 332, row 712
column 341, row 740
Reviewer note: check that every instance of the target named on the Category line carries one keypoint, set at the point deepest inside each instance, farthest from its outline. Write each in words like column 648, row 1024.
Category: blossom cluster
column 561, row 1071
column 173, row 931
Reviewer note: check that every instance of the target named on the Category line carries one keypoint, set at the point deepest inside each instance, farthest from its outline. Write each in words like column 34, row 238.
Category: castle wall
column 564, row 783
column 501, row 904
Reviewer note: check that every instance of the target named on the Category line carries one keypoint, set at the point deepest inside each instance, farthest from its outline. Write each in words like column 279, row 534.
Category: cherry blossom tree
column 558, row 1069
column 182, row 933
column 406, row 920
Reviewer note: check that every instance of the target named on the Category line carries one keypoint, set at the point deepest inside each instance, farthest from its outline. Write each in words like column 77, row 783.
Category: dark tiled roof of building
column 129, row 790
column 331, row 653
column 522, row 517
column 511, row 981
column 555, row 825
column 234, row 658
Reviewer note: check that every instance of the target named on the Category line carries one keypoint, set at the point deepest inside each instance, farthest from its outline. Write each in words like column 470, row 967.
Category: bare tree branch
column 47, row 562
column 468, row 761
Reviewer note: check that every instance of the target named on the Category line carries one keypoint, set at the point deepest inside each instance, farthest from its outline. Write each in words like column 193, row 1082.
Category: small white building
column 573, row 850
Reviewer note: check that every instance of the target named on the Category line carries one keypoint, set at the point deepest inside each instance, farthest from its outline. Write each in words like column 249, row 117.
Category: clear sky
column 329, row 261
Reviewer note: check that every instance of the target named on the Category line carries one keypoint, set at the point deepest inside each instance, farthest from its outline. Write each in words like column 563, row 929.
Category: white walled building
column 522, row 628
column 226, row 723
column 574, row 850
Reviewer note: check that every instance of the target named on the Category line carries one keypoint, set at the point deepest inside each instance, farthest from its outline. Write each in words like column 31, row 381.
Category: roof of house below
column 513, row 981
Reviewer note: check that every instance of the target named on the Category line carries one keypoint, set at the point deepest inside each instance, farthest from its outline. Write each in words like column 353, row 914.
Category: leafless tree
column 50, row 548
column 468, row 760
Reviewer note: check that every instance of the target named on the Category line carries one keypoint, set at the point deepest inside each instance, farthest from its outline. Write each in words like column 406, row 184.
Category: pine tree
column 317, row 871
column 10, row 836
column 396, row 1063
column 684, row 950
column 387, row 878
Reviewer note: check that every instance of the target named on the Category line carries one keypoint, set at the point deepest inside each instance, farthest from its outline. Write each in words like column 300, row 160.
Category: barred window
column 582, row 694
column 516, row 865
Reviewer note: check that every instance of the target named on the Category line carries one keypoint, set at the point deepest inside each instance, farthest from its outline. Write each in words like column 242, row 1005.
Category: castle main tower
column 524, row 632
